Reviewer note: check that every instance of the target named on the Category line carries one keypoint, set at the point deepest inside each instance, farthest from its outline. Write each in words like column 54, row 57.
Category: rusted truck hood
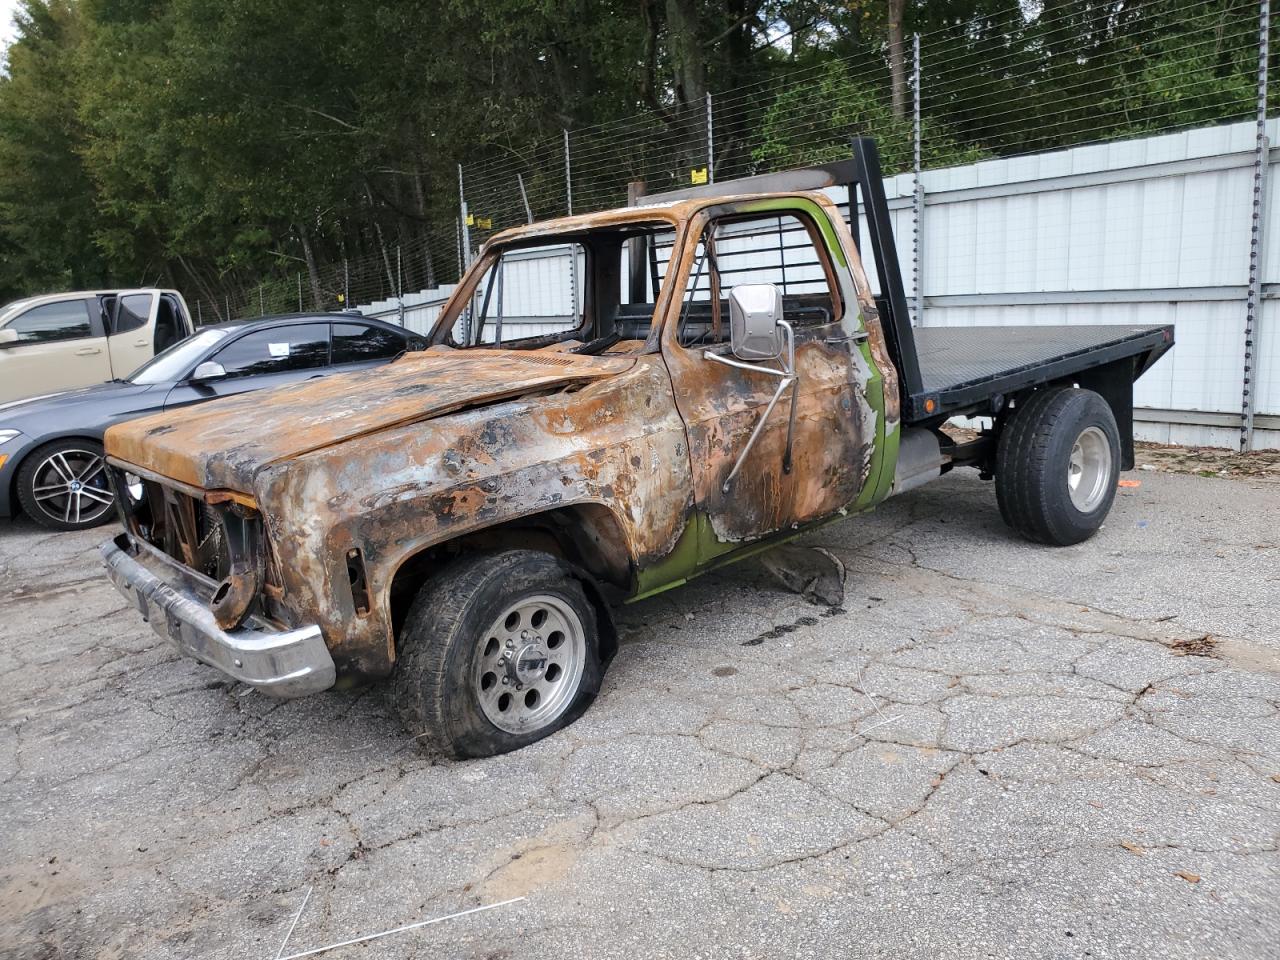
column 222, row 444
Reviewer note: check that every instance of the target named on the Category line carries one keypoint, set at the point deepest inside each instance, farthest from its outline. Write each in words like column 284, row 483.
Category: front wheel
column 499, row 650
column 1057, row 464
column 63, row 485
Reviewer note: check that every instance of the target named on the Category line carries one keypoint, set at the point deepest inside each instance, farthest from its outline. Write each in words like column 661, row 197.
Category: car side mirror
column 8, row 336
column 209, row 370
column 755, row 315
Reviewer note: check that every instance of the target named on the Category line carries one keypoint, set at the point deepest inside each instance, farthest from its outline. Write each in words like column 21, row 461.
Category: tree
column 897, row 58
column 231, row 146
column 46, row 198
column 814, row 124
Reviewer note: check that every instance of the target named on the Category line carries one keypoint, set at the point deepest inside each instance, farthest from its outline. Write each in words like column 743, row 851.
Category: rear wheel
column 1057, row 465
column 498, row 651
column 63, row 485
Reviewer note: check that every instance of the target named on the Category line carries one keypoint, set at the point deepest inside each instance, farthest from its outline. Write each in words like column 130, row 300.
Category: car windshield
column 176, row 362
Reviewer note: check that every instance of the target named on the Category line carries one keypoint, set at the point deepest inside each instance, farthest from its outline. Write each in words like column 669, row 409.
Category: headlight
column 7, row 435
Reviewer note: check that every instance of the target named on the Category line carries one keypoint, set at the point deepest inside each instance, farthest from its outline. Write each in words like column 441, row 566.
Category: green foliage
column 258, row 145
column 813, row 123
column 1177, row 87
column 46, row 207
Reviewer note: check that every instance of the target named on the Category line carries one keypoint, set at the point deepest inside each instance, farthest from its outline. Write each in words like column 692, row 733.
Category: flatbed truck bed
column 960, row 366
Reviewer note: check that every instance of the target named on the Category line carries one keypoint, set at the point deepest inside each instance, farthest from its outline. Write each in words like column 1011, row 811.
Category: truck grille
column 181, row 526
column 224, row 542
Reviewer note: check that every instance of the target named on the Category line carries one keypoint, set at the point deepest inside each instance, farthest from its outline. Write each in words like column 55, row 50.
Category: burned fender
column 617, row 443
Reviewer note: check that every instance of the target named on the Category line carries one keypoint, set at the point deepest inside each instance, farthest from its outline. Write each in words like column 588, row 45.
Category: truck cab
column 62, row 341
column 611, row 404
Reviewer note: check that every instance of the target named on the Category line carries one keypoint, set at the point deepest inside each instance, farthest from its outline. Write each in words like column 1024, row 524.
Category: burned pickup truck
column 611, row 405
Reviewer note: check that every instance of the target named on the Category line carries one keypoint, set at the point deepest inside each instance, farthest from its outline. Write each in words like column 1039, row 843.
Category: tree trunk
column 382, row 243
column 897, row 58
column 206, row 292
column 313, row 273
column 689, row 82
column 688, row 61
column 420, row 198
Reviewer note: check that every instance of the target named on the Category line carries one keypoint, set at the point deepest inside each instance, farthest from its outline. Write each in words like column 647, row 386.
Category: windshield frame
column 200, row 344
column 582, row 234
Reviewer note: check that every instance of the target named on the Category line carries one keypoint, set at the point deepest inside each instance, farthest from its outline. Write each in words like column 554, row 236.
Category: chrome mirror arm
column 731, row 362
column 788, row 381
column 795, row 380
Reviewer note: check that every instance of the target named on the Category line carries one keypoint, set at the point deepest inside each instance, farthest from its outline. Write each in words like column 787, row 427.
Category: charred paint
column 221, row 444
column 422, row 484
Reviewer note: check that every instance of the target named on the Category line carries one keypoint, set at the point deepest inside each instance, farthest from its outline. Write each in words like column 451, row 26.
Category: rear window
column 354, row 342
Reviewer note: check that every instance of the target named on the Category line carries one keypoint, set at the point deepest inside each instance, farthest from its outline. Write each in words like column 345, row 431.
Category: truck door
column 53, row 347
column 790, row 244
column 131, row 338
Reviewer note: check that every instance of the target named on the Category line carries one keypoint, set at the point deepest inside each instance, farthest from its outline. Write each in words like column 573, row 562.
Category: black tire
column 49, row 464
column 445, row 642
column 1034, row 458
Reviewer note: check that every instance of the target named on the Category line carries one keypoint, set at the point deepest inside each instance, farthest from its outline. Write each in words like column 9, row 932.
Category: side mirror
column 8, row 336
column 209, row 370
column 755, row 312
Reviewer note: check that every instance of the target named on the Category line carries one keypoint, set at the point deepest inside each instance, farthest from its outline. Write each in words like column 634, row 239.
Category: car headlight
column 7, row 435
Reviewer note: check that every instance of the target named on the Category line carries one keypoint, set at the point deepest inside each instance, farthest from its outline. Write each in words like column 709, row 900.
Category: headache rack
column 948, row 371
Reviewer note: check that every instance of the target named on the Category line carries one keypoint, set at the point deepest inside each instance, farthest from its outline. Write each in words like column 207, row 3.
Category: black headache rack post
column 862, row 176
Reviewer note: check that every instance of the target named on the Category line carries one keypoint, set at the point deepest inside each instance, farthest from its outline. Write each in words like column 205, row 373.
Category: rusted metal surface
column 231, row 602
column 220, row 445
column 835, row 427
column 615, row 447
column 620, row 457
column 242, row 556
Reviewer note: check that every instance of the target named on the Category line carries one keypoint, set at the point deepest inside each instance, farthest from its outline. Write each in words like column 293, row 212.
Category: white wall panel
column 1267, row 344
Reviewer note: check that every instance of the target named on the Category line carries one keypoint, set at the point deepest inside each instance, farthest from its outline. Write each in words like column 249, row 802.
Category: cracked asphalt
column 992, row 750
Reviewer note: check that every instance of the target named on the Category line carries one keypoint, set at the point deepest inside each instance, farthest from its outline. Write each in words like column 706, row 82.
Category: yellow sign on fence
column 698, row 176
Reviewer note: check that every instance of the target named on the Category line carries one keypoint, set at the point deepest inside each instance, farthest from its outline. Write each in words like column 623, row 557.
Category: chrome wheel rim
column 530, row 664
column 71, row 486
column 1089, row 470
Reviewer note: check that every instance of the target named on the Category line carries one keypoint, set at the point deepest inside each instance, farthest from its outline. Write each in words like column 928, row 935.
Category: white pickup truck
column 61, row 341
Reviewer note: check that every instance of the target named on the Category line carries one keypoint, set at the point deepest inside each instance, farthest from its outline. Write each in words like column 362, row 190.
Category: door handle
column 140, row 343
column 88, row 351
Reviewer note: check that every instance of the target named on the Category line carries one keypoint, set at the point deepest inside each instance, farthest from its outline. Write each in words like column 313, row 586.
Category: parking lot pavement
column 992, row 750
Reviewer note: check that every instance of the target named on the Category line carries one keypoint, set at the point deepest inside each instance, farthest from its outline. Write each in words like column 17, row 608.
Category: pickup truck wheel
column 63, row 485
column 498, row 651
column 1057, row 465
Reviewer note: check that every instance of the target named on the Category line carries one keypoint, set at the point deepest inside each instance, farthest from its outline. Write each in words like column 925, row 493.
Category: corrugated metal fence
column 1150, row 230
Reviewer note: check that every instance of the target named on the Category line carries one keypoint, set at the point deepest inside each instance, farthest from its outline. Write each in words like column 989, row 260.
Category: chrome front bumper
column 283, row 663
